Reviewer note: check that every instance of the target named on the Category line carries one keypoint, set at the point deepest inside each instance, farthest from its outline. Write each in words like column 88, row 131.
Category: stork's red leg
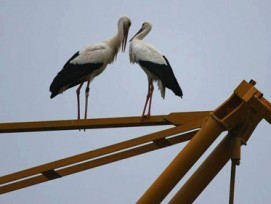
column 78, row 100
column 150, row 101
column 87, row 94
column 148, row 97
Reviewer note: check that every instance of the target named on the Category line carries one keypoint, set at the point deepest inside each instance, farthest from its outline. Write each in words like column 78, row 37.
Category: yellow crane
column 239, row 115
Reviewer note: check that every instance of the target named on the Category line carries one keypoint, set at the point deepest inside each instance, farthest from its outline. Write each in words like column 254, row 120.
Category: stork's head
column 124, row 26
column 144, row 30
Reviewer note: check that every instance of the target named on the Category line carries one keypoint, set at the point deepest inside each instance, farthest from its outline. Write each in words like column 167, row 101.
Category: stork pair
column 92, row 60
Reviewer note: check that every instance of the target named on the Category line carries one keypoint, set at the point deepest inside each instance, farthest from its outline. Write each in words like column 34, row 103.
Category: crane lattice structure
column 239, row 115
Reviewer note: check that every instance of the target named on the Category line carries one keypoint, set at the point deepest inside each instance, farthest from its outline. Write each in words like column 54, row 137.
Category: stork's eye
column 143, row 24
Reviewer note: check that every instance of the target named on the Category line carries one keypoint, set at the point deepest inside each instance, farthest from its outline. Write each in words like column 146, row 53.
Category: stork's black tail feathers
column 72, row 75
column 59, row 81
column 54, row 88
column 165, row 74
column 53, row 94
column 173, row 83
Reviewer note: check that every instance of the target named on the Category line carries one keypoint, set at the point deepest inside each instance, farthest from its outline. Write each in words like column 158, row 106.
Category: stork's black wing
column 72, row 75
column 165, row 73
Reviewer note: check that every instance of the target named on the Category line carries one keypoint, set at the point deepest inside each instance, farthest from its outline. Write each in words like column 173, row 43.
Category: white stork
column 89, row 62
column 155, row 65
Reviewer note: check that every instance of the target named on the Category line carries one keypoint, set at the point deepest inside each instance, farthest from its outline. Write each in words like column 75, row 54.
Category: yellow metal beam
column 204, row 174
column 214, row 163
column 171, row 119
column 240, row 115
column 81, row 124
column 209, row 131
column 102, row 151
column 97, row 157
column 43, row 176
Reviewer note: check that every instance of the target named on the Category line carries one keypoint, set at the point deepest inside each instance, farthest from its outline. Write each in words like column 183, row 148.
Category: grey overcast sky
column 212, row 46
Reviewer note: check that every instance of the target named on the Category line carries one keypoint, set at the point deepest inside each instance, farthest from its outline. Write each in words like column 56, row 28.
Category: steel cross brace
column 187, row 124
column 239, row 115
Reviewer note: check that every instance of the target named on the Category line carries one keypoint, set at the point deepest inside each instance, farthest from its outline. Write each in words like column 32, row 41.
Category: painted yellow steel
column 183, row 162
column 171, row 119
column 239, row 115
column 81, row 124
column 67, row 170
column 215, row 162
column 204, row 174
column 104, row 155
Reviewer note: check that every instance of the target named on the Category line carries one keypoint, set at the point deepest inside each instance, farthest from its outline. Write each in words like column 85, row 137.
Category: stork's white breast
column 99, row 53
column 143, row 51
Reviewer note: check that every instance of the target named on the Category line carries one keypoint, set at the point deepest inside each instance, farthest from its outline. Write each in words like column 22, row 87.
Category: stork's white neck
column 145, row 31
column 114, row 43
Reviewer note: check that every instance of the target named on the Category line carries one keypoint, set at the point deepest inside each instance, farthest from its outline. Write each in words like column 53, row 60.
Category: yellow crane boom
column 239, row 115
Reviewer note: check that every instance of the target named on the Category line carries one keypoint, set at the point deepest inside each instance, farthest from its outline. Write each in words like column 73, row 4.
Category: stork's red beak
column 136, row 34
column 124, row 40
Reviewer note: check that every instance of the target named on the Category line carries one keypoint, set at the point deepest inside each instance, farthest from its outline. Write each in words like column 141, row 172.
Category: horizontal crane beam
column 98, row 157
column 171, row 119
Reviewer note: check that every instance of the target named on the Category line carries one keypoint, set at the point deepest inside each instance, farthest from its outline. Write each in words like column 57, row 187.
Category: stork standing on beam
column 155, row 65
column 89, row 62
